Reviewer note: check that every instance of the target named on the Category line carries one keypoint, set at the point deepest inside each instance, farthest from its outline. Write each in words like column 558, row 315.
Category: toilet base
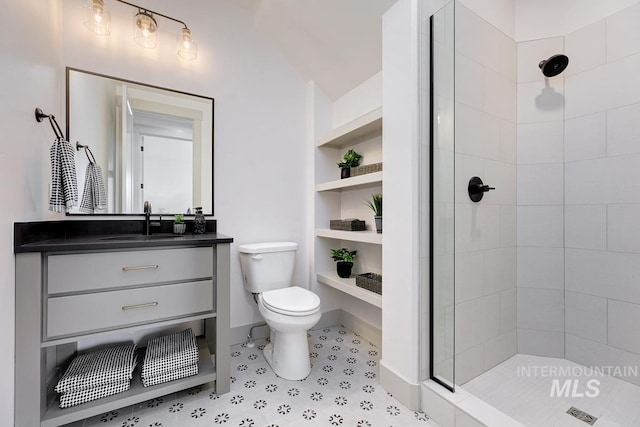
column 288, row 351
column 288, row 355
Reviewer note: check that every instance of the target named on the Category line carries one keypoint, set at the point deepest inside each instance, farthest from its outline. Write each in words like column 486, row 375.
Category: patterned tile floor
column 342, row 390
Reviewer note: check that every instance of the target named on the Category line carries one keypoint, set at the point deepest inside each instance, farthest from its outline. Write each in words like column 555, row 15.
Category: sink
column 138, row 237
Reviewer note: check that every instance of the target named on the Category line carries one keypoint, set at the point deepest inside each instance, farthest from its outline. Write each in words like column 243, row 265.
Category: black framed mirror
column 150, row 143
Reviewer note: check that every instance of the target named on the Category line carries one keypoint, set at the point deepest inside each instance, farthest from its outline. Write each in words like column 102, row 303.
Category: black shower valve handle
column 477, row 189
column 485, row 188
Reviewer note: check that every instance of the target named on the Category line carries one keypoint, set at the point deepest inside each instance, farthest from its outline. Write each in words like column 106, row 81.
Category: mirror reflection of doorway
column 161, row 144
column 100, row 114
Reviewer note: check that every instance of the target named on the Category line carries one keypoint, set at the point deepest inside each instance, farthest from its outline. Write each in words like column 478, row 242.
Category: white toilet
column 290, row 311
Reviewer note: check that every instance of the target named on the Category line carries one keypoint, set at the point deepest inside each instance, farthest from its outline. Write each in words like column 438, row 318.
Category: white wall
column 259, row 133
column 541, row 104
column 31, row 76
column 359, row 101
column 499, row 13
column 400, row 254
column 601, row 192
column 538, row 19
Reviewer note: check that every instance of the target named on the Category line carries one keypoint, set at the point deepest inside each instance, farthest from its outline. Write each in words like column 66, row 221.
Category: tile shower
column 578, row 175
column 548, row 264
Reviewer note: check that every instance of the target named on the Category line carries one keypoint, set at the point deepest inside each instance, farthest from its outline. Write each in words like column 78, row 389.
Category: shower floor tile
column 521, row 388
column 342, row 390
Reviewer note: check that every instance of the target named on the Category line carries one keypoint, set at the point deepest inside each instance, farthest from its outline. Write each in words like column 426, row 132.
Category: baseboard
column 366, row 330
column 407, row 393
column 329, row 318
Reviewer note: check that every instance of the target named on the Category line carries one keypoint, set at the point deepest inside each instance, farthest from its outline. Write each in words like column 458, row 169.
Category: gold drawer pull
column 136, row 306
column 140, row 267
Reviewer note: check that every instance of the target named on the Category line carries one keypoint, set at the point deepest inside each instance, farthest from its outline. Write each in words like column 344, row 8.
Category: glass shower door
column 441, row 196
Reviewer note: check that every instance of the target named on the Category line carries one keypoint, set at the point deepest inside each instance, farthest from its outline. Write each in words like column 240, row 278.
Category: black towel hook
column 87, row 151
column 40, row 116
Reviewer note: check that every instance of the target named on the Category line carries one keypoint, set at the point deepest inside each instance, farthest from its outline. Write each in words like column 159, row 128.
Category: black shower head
column 554, row 65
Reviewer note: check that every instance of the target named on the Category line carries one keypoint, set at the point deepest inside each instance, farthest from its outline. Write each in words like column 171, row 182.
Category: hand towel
column 64, row 187
column 94, row 195
column 73, row 398
column 112, row 365
column 170, row 353
column 172, row 375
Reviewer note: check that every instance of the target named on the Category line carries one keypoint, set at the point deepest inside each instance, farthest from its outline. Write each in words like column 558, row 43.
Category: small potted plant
column 376, row 206
column 344, row 259
column 179, row 227
column 351, row 159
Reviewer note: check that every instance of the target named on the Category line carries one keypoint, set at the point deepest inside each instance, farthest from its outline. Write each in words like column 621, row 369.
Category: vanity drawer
column 77, row 314
column 103, row 270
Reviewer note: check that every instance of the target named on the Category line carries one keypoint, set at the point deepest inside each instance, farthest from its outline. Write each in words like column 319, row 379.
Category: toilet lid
column 294, row 301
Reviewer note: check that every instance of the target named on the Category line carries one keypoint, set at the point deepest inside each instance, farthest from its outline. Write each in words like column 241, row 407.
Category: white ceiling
column 336, row 43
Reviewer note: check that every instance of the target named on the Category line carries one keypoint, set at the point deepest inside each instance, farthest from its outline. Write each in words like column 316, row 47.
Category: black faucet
column 147, row 219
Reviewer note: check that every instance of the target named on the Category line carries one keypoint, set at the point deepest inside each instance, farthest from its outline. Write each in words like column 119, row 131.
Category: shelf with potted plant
column 369, row 180
column 341, row 278
column 356, row 149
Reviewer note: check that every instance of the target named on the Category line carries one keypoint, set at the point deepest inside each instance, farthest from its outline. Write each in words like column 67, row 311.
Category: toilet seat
column 291, row 301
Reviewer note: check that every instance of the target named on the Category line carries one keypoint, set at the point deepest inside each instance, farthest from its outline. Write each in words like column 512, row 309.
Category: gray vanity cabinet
column 63, row 297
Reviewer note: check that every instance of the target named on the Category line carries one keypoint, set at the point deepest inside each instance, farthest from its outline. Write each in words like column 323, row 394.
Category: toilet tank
column 267, row 266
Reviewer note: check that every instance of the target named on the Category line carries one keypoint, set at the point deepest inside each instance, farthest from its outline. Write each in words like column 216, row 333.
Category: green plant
column 375, row 204
column 178, row 219
column 351, row 159
column 343, row 254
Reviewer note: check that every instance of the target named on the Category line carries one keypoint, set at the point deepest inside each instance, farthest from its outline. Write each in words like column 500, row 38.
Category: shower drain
column 581, row 415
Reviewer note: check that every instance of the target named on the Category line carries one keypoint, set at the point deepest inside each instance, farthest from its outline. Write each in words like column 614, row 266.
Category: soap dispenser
column 199, row 222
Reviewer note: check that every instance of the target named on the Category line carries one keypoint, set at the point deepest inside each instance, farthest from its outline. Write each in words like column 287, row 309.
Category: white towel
column 72, row 398
column 64, row 187
column 94, row 196
column 110, row 365
column 170, row 353
column 177, row 374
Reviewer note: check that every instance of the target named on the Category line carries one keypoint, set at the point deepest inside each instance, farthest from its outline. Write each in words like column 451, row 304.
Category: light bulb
column 96, row 19
column 145, row 30
column 187, row 47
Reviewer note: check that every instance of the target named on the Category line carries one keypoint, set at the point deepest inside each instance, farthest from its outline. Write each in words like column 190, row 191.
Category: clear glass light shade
column 96, row 19
column 145, row 30
column 187, row 47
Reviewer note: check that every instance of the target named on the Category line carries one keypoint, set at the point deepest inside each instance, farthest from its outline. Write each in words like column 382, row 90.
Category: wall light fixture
column 145, row 27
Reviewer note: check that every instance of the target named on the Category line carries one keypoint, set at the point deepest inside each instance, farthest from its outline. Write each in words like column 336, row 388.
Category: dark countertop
column 59, row 236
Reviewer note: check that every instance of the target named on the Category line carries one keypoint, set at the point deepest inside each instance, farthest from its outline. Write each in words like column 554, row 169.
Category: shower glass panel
column 441, row 206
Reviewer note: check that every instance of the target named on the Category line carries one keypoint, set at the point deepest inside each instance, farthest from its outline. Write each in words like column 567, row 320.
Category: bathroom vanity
column 92, row 280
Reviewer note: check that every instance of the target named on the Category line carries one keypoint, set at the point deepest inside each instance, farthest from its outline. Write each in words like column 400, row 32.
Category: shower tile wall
column 540, row 154
column 602, row 192
column 579, row 196
column 485, row 126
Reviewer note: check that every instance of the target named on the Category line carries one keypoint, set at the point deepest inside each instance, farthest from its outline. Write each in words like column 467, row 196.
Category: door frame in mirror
column 154, row 87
